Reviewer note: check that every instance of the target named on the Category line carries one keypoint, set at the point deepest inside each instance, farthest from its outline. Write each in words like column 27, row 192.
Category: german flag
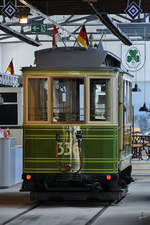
column 82, row 37
column 11, row 68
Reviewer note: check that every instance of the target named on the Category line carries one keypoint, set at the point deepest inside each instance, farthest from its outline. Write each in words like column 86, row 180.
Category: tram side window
column 68, row 100
column 99, row 99
column 127, row 102
column 37, row 99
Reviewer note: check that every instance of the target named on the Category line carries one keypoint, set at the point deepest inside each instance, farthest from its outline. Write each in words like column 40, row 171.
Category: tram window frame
column 68, row 121
column 45, row 113
column 127, row 90
column 130, row 102
column 108, row 109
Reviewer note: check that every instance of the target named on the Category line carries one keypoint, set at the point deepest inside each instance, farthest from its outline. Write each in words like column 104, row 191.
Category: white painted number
column 66, row 148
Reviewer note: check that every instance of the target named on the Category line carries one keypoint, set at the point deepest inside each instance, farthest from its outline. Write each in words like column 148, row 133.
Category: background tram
column 77, row 123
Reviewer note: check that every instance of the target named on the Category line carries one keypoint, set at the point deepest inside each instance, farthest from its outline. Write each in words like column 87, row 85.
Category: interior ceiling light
column 23, row 14
column 23, row 19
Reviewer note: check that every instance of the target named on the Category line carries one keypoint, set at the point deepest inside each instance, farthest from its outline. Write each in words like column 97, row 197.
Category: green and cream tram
column 77, row 123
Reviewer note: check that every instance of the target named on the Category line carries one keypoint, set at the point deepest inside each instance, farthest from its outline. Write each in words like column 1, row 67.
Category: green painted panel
column 98, row 142
column 39, row 148
column 99, row 148
column 82, row 171
column 52, row 165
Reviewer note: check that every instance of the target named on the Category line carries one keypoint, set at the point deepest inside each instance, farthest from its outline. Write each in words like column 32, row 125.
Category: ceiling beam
column 38, row 12
column 132, row 29
column 79, row 7
column 107, row 21
column 18, row 35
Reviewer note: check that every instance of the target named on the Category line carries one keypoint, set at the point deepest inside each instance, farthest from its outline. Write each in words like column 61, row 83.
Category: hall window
column 8, row 108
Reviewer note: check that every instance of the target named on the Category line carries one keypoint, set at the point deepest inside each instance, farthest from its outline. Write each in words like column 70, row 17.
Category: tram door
column 120, row 113
column 125, row 116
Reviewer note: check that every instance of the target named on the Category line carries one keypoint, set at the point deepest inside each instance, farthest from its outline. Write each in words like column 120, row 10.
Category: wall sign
column 133, row 58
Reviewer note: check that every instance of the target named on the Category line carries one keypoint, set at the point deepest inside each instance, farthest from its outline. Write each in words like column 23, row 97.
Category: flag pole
column 64, row 43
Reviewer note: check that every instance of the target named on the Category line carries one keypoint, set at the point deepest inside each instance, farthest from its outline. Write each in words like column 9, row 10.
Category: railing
column 140, row 145
column 9, row 80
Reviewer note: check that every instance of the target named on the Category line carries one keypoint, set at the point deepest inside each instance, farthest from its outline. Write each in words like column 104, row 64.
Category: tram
column 77, row 123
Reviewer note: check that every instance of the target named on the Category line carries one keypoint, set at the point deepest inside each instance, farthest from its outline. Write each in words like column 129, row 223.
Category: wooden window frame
column 25, row 107
column 100, row 76
column 68, row 77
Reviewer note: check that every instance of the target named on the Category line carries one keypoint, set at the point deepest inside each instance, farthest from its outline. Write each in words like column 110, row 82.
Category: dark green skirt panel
column 96, row 153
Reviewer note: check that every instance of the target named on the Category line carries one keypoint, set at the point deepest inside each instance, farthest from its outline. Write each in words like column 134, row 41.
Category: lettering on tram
column 67, row 148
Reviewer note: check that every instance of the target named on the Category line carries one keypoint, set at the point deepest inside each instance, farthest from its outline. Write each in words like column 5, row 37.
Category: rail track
column 78, row 209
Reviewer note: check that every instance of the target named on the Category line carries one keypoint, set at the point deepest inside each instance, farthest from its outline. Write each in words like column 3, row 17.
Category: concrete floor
column 12, row 202
column 134, row 209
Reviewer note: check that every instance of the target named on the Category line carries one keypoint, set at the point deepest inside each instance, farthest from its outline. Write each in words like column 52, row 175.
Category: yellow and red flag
column 82, row 37
column 11, row 67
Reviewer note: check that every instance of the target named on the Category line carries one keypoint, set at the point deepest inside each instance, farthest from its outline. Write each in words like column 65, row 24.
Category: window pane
column 99, row 99
column 8, row 114
column 9, row 97
column 37, row 99
column 125, row 101
column 129, row 116
column 68, row 100
column 8, row 108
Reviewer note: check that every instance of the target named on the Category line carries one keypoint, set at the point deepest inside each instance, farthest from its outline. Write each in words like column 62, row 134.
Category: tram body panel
column 40, row 149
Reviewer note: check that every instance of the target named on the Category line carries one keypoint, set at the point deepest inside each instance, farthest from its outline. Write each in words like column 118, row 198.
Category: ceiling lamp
column 23, row 14
column 23, row 19
column 136, row 89
column 143, row 108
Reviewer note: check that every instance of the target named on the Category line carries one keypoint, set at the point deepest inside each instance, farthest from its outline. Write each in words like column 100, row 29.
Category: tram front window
column 99, row 99
column 37, row 99
column 68, row 100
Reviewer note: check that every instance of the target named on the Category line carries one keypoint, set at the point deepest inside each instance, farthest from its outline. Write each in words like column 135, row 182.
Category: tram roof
column 75, row 58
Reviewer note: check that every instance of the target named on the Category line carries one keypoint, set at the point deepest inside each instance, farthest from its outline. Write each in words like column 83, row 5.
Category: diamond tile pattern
column 133, row 10
column 9, row 10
